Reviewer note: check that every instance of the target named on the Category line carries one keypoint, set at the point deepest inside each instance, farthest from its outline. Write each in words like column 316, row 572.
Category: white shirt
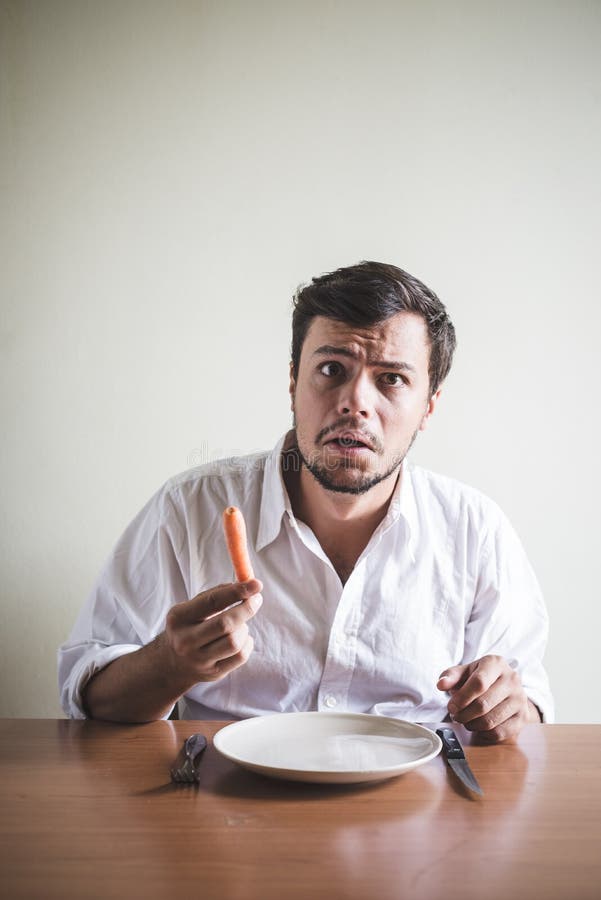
column 443, row 580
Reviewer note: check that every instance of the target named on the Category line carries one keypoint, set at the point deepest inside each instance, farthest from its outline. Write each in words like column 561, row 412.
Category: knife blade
column 454, row 755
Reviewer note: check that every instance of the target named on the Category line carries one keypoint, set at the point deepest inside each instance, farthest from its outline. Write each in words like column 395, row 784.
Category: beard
column 358, row 483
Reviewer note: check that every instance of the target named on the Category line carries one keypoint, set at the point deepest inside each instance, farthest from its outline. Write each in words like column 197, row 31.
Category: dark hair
column 367, row 294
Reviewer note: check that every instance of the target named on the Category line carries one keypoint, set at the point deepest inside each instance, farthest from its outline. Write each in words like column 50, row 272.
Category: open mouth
column 348, row 443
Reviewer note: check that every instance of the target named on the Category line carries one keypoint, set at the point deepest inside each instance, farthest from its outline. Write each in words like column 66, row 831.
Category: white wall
column 171, row 171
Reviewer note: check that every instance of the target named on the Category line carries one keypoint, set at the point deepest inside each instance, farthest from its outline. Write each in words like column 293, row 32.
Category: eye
column 392, row 379
column 330, row 369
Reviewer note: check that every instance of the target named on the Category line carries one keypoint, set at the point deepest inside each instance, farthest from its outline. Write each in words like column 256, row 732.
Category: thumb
column 453, row 677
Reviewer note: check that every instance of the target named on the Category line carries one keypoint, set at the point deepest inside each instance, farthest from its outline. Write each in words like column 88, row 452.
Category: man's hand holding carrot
column 208, row 636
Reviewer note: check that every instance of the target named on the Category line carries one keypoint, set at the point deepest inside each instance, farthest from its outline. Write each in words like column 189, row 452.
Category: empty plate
column 327, row 746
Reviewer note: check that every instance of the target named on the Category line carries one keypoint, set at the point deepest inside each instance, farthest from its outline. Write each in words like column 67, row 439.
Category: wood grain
column 88, row 811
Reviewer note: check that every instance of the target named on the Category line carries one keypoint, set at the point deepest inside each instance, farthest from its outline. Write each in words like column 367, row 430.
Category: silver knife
column 455, row 757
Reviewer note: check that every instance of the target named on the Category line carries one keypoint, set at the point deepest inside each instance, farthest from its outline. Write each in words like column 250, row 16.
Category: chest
column 343, row 563
column 343, row 554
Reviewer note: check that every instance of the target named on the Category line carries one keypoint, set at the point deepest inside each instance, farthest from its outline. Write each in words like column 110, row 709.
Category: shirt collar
column 275, row 501
column 403, row 504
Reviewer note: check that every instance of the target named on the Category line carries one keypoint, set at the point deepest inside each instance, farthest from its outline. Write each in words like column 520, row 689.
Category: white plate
column 327, row 746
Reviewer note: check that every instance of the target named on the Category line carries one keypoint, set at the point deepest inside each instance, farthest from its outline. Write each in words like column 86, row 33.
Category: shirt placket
column 340, row 661
column 342, row 647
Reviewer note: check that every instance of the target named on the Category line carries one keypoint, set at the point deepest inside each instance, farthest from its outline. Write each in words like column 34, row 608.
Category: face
column 360, row 397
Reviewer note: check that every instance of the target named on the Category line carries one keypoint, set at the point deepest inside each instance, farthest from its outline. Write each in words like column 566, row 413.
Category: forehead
column 402, row 337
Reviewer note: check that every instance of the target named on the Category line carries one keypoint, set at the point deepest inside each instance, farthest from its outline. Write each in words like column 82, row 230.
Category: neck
column 342, row 523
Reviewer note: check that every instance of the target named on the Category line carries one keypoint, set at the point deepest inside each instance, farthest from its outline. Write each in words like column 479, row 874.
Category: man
column 388, row 589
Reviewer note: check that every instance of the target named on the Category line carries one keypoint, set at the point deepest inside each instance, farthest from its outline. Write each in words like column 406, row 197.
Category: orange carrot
column 235, row 538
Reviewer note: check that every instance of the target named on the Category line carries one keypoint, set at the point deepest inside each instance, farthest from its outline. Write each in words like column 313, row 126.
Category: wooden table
column 87, row 810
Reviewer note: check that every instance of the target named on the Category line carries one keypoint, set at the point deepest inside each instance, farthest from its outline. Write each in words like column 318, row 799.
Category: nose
column 355, row 397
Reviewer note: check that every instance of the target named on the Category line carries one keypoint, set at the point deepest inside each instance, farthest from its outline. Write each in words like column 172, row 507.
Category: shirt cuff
column 95, row 659
column 544, row 705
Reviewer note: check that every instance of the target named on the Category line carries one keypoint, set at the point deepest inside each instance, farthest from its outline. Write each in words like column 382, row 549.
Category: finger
column 188, row 639
column 223, row 648
column 482, row 705
column 507, row 731
column 453, row 677
column 495, row 717
column 228, row 664
column 484, row 673
column 215, row 600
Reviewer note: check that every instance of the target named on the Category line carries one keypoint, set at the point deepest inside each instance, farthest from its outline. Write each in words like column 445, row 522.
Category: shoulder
column 226, row 481
column 242, row 468
column 470, row 525
column 455, row 501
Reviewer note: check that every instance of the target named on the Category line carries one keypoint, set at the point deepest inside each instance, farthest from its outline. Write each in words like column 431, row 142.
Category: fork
column 185, row 768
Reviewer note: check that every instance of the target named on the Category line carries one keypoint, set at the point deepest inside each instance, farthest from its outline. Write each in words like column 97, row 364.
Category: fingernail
column 251, row 585
column 443, row 675
column 255, row 602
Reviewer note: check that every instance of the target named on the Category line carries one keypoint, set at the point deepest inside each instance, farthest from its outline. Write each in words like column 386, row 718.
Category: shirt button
column 331, row 701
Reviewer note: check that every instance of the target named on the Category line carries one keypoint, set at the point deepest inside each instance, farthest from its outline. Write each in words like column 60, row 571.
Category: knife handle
column 451, row 746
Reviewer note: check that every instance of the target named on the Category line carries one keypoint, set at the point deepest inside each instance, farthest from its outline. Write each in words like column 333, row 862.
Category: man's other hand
column 487, row 697
column 207, row 637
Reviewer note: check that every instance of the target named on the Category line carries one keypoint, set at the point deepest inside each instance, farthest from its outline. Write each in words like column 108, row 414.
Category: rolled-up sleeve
column 145, row 575
column 509, row 617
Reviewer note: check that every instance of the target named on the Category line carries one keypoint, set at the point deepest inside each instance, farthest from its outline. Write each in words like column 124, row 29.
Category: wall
column 171, row 171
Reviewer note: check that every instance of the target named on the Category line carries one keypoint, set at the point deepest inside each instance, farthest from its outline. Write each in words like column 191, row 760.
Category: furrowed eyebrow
column 331, row 350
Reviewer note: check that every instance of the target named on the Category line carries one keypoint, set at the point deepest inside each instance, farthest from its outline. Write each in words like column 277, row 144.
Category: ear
column 430, row 409
column 292, row 387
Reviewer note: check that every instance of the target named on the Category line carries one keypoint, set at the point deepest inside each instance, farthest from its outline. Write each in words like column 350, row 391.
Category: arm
column 138, row 642
column 500, row 681
column 203, row 640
